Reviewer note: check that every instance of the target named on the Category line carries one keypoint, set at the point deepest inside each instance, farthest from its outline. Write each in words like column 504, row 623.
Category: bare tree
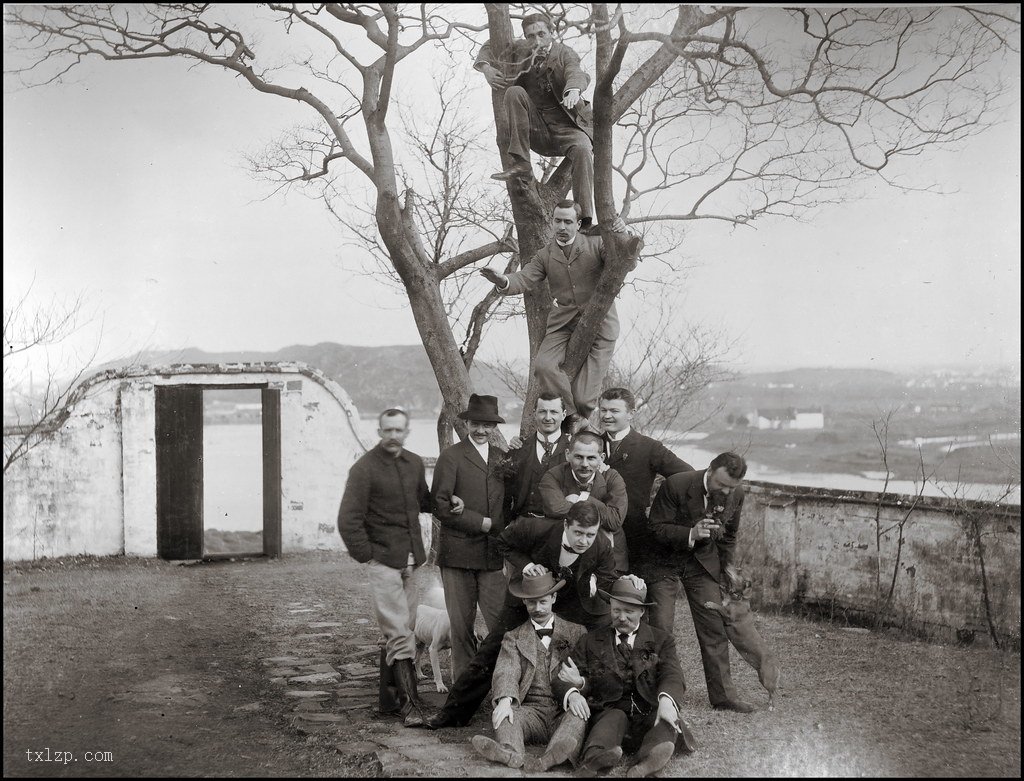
column 729, row 113
column 40, row 378
column 669, row 364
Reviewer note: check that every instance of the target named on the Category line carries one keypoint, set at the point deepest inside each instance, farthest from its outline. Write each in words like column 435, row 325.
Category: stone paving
column 338, row 700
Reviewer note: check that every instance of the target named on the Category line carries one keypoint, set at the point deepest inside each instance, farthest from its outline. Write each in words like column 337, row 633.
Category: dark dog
column 739, row 626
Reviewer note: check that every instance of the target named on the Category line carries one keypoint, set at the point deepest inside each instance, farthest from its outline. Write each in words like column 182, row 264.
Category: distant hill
column 398, row 375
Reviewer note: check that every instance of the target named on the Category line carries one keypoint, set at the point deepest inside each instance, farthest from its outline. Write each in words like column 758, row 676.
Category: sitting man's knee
column 516, row 94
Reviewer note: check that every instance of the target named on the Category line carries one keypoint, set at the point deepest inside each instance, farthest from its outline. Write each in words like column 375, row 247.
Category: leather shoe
column 555, row 754
column 599, row 759
column 655, row 760
column 496, row 752
column 438, row 720
column 519, row 169
column 735, row 705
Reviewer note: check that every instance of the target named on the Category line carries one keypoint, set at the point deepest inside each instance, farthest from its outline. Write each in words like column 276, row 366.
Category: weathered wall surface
column 91, row 489
column 842, row 548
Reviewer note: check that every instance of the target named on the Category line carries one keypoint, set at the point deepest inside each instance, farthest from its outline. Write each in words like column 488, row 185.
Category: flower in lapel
column 505, row 467
column 648, row 653
column 716, row 513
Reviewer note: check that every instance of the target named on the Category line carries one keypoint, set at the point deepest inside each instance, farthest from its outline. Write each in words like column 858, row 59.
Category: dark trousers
column 699, row 587
column 613, row 728
column 551, row 134
column 471, row 687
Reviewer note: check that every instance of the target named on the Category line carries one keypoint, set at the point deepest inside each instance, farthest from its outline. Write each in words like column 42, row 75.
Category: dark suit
column 468, row 556
column 609, row 492
column 537, row 541
column 535, row 117
column 521, row 494
column 379, row 514
column 677, row 508
column 624, row 701
column 572, row 281
column 639, row 459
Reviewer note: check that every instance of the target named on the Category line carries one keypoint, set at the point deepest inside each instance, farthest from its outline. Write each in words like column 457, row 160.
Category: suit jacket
column 654, row 662
column 608, row 490
column 639, row 459
column 572, row 281
column 539, row 540
column 379, row 514
column 523, row 481
column 678, row 506
column 461, row 471
column 561, row 69
column 517, row 660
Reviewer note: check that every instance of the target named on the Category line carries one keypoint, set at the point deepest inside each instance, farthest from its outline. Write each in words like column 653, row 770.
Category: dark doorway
column 218, row 471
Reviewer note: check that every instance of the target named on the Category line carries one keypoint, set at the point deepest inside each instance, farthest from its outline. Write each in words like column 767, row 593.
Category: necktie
column 623, row 646
column 545, row 632
column 549, row 448
column 613, row 446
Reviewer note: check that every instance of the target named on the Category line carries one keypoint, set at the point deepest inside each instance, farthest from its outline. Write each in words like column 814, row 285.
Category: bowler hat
column 624, row 591
column 535, row 586
column 483, row 409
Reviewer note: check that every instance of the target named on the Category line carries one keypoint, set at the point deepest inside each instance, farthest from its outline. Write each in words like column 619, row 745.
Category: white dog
column 433, row 631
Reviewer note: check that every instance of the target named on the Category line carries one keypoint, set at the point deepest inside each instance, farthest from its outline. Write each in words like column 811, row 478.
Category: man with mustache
column 578, row 553
column 694, row 522
column 379, row 524
column 627, row 679
column 525, row 710
column 530, row 460
column 580, row 478
column 571, row 263
column 468, row 495
column 543, row 107
column 639, row 459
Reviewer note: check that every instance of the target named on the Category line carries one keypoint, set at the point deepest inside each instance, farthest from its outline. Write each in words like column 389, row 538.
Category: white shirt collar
column 588, row 482
column 553, row 437
column 631, row 639
column 707, row 472
column 549, row 625
column 565, row 243
column 618, row 436
column 481, row 449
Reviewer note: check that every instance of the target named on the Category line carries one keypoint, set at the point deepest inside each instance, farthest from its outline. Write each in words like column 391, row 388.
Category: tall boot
column 388, row 702
column 405, row 678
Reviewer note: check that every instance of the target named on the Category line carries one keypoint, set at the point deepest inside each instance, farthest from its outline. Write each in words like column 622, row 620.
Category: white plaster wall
column 92, row 488
column 64, row 497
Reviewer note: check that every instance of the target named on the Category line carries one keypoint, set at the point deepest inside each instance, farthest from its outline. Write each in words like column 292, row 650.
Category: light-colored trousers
column 582, row 392
column 395, row 594
column 533, row 723
column 464, row 589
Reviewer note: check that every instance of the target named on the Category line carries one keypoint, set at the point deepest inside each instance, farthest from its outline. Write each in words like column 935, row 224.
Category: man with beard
column 627, row 678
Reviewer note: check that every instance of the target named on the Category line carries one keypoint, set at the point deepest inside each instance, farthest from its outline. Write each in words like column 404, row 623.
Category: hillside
column 374, row 377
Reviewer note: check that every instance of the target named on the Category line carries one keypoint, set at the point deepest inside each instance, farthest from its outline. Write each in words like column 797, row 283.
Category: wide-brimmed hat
column 483, row 409
column 535, row 586
column 624, row 591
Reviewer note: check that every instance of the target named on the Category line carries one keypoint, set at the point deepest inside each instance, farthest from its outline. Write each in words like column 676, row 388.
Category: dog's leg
column 435, row 665
column 715, row 606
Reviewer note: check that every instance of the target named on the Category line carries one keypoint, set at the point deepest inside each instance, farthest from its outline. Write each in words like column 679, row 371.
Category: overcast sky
column 129, row 185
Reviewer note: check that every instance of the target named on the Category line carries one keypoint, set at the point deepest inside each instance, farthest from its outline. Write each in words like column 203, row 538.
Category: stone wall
column 957, row 573
column 91, row 487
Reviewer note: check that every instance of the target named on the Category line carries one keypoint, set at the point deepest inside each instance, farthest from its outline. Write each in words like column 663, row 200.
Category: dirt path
column 191, row 670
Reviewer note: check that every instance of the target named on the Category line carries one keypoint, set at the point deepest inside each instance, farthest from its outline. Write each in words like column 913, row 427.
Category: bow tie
column 569, row 549
column 545, row 632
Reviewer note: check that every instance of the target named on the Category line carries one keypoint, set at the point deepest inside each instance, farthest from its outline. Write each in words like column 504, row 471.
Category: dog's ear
column 748, row 589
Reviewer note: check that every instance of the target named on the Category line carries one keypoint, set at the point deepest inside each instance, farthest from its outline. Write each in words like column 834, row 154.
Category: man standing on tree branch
column 544, row 110
column 571, row 263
